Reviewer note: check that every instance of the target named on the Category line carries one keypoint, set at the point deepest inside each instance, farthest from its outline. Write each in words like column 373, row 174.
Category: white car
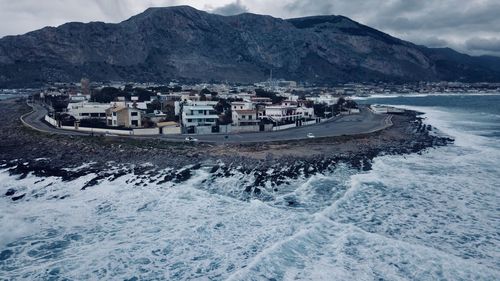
column 191, row 139
column 310, row 135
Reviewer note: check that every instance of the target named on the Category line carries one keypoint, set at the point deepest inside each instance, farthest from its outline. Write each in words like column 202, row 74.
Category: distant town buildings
column 124, row 117
column 221, row 108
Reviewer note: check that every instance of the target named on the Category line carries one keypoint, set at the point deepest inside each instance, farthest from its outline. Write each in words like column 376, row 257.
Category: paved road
column 365, row 122
column 34, row 121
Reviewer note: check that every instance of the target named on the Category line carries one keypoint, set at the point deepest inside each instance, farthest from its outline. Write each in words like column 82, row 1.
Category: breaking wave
column 432, row 215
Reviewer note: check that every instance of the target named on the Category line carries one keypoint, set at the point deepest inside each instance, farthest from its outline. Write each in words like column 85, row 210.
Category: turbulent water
column 428, row 216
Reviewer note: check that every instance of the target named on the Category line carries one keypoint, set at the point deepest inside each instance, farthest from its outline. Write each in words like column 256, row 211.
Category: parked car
column 310, row 135
column 191, row 139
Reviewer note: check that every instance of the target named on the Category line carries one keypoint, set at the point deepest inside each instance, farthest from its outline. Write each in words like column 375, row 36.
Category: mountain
column 181, row 42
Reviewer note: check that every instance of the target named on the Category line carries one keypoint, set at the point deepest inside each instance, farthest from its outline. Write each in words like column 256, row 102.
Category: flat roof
column 202, row 117
column 198, row 107
column 243, row 111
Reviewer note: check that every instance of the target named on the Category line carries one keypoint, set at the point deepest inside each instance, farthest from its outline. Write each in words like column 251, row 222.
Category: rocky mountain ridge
column 183, row 43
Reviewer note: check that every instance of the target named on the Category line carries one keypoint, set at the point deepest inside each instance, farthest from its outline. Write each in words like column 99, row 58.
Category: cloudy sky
column 471, row 26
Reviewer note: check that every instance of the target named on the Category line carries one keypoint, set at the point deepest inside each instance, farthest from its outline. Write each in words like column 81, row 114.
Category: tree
column 275, row 99
column 154, row 105
column 143, row 94
column 222, row 106
column 320, row 109
column 169, row 110
column 205, row 92
column 107, row 94
column 226, row 118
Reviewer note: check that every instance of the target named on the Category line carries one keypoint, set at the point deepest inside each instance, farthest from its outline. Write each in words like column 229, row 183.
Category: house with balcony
column 87, row 110
column 286, row 114
column 198, row 119
column 242, row 105
column 245, row 117
column 124, row 117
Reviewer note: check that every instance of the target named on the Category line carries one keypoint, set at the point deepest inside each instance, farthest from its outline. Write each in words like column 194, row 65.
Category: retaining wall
column 171, row 130
column 51, row 121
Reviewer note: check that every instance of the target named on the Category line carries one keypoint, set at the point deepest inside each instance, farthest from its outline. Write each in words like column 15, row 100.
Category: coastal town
column 146, row 109
column 127, row 109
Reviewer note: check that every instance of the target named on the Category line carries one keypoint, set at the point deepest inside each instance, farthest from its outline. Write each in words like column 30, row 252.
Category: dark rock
column 5, row 254
column 183, row 176
column 10, row 192
column 15, row 198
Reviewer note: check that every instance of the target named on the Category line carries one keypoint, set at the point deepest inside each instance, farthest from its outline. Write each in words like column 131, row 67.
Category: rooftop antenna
column 271, row 83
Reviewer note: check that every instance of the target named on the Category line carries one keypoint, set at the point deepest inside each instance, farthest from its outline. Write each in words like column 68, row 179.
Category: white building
column 198, row 116
column 83, row 110
column 240, row 105
column 307, row 112
column 282, row 113
column 79, row 97
column 124, row 117
column 324, row 98
column 130, row 104
column 244, row 117
column 179, row 104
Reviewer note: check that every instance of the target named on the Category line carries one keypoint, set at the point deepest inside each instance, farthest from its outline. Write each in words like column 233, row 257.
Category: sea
column 433, row 215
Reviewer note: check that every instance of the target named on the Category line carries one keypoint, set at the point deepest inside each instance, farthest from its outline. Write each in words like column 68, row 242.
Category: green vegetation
column 109, row 94
column 261, row 93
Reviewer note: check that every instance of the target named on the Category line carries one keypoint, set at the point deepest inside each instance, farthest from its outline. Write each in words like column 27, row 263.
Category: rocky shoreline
column 265, row 166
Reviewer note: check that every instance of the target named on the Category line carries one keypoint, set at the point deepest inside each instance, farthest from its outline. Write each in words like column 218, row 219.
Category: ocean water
column 428, row 216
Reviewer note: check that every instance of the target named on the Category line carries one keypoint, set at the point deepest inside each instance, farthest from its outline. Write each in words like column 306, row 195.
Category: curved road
column 34, row 121
column 363, row 123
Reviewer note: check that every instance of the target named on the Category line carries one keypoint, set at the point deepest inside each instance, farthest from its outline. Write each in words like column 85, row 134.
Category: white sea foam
column 412, row 217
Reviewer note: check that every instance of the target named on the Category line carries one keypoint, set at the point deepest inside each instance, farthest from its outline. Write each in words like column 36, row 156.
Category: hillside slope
column 184, row 43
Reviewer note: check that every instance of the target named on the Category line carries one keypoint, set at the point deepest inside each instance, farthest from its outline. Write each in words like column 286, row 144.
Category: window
column 190, row 120
column 250, row 117
column 135, row 123
column 134, row 114
column 114, row 113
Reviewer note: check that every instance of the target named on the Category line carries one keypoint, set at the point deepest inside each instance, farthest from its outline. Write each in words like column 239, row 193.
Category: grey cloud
column 483, row 44
column 304, row 7
column 234, row 8
column 456, row 15
column 433, row 42
column 443, row 23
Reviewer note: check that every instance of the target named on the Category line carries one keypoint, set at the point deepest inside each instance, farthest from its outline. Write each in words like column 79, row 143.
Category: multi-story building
column 286, row 114
column 124, row 117
column 279, row 114
column 241, row 105
column 245, row 117
column 85, row 110
column 198, row 118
